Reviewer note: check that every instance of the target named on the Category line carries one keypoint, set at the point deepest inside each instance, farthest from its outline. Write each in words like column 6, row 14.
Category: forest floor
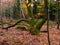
column 16, row 36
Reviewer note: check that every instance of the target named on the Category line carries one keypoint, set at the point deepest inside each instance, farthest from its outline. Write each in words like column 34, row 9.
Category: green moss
column 39, row 23
column 36, row 30
column 21, row 26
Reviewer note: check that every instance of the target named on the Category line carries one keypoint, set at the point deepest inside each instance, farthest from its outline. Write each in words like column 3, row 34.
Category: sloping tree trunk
column 15, row 23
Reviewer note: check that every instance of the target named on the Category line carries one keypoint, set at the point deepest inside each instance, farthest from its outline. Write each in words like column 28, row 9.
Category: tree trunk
column 47, row 15
column 15, row 23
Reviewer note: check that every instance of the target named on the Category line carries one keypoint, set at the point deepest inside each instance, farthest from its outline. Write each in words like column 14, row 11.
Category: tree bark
column 47, row 15
column 57, row 14
column 15, row 23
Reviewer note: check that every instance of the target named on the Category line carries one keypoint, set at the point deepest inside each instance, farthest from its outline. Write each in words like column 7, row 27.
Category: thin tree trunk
column 47, row 15
column 57, row 14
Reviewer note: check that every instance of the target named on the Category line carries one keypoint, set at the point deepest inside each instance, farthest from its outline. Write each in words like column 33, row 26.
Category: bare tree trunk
column 47, row 15
column 57, row 14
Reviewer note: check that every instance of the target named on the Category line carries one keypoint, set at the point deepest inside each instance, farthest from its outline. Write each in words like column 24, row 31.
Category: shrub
column 53, row 10
column 16, row 10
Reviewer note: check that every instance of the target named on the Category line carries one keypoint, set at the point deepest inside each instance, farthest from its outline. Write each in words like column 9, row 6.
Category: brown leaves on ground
column 21, row 37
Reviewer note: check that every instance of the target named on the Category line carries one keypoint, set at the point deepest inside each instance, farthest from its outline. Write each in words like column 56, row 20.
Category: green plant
column 35, row 9
column 7, row 12
column 16, row 10
column 53, row 10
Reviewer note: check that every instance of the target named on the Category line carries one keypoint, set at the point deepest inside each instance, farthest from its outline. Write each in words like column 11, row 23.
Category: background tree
column 16, row 9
